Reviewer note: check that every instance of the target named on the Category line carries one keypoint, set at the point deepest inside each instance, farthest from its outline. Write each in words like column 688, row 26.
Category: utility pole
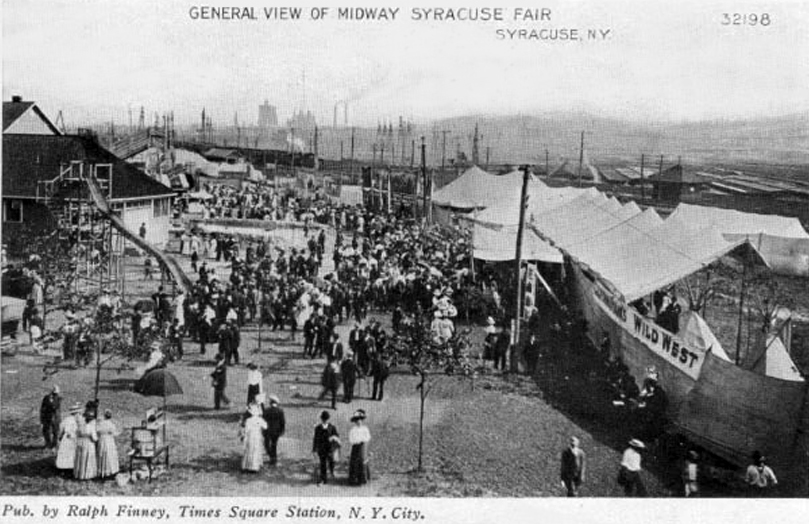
column 352, row 153
column 341, row 167
column 475, row 147
column 547, row 164
column 581, row 156
column 642, row 179
column 412, row 152
column 488, row 152
column 444, row 148
column 424, row 175
column 316, row 152
column 520, row 231
column 659, row 174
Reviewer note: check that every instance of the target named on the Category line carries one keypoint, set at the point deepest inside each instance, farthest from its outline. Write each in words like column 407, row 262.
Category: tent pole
column 741, row 310
column 520, row 231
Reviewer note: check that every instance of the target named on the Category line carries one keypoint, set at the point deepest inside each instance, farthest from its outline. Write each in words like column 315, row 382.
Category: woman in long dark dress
column 359, row 436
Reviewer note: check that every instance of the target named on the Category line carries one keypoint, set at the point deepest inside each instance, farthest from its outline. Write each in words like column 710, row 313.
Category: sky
column 664, row 60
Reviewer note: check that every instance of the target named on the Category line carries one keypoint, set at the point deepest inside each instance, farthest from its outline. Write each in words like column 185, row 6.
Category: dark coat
column 349, row 371
column 322, row 443
column 50, row 409
column 220, row 376
column 276, row 421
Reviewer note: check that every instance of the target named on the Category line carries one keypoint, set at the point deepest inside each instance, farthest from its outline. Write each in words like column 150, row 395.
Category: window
column 12, row 210
column 162, row 207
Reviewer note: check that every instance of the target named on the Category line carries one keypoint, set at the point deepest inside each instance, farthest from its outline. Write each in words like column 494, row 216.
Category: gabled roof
column 28, row 159
column 676, row 174
column 14, row 110
column 219, row 152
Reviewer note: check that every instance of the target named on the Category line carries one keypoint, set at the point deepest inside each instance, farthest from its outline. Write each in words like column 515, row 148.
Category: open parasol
column 159, row 383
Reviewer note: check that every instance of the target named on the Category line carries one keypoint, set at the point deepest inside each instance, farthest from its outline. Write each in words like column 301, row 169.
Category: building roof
column 677, row 175
column 14, row 110
column 28, row 159
column 219, row 152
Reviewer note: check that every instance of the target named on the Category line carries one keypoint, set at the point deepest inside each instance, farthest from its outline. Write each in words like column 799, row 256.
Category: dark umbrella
column 159, row 383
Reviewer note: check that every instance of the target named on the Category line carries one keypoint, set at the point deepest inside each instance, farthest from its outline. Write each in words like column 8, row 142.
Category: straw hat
column 637, row 444
column 274, row 399
column 358, row 415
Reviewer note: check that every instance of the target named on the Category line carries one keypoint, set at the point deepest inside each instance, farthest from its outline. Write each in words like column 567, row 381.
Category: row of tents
column 490, row 203
column 633, row 252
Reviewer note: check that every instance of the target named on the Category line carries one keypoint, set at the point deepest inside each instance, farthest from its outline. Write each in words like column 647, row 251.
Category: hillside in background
column 778, row 140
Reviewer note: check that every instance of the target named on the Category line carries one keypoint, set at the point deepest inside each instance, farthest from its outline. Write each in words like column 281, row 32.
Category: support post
column 520, row 232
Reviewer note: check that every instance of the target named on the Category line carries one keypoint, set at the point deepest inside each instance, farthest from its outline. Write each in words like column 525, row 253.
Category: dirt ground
column 500, row 435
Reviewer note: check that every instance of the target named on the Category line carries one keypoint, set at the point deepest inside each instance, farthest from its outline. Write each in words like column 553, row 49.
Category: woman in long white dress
column 107, row 450
column 254, row 428
column 85, row 466
column 66, row 453
column 359, row 436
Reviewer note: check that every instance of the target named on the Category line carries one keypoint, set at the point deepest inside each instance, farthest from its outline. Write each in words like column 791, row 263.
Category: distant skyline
column 665, row 61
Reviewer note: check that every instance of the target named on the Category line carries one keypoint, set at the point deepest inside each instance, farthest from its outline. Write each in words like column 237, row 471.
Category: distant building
column 301, row 121
column 673, row 182
column 267, row 115
column 35, row 151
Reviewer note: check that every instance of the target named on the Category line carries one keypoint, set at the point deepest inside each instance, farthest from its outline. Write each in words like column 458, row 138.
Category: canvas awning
column 477, row 189
column 634, row 253
column 498, row 245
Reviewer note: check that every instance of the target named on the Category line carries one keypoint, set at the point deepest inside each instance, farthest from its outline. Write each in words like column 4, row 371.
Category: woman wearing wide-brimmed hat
column 66, row 453
column 359, row 436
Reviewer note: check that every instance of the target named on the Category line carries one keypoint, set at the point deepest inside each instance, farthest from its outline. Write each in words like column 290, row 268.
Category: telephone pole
column 352, row 154
column 443, row 148
column 424, row 175
column 520, row 231
column 581, row 156
column 642, row 179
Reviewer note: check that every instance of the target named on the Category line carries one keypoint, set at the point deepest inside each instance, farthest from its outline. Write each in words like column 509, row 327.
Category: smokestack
column 335, row 115
column 345, row 113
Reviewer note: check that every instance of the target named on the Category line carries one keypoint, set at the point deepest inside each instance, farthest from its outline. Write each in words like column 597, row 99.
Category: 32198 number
column 751, row 19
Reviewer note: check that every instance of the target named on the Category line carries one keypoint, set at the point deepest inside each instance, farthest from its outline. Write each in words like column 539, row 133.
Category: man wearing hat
column 629, row 476
column 348, row 370
column 325, row 440
column 50, row 417
column 219, row 378
column 276, row 424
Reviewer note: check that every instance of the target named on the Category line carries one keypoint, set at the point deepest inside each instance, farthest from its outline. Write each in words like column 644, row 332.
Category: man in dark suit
column 348, row 370
column 276, row 424
column 50, row 417
column 336, row 350
column 219, row 378
column 326, row 439
column 380, row 369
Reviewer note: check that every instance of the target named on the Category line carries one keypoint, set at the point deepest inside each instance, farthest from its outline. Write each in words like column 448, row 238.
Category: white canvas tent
column 477, row 189
column 782, row 241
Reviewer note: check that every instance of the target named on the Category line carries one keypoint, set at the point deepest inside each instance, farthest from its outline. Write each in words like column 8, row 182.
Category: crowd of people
column 380, row 262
